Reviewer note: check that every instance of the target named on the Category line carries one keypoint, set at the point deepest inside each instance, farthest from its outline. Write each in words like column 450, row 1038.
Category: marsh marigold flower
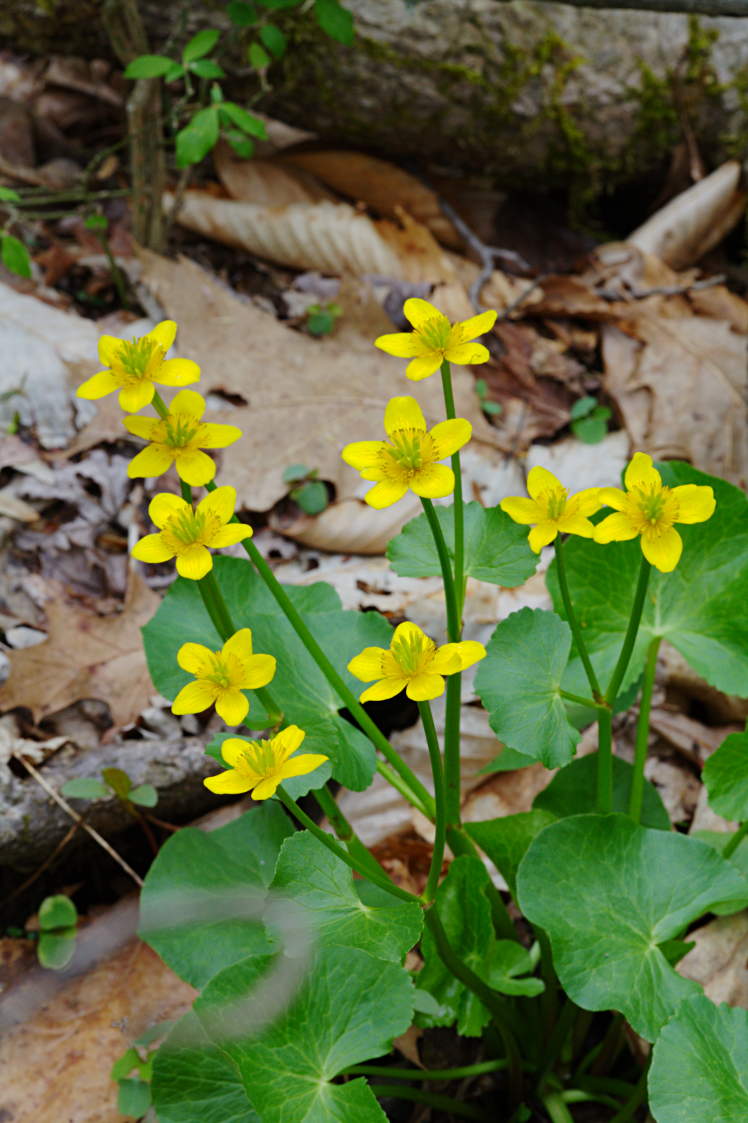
column 189, row 534
column 648, row 508
column 411, row 458
column 413, row 663
column 221, row 676
column 178, row 439
column 259, row 767
column 435, row 339
column 551, row 510
column 133, row 368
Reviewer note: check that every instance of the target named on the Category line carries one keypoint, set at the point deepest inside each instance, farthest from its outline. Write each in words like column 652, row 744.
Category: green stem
column 571, row 617
column 604, row 761
column 433, row 1099
column 642, row 731
column 452, row 761
column 435, row 756
column 577, row 1096
column 345, row 832
column 459, row 515
column 453, row 616
column 328, row 841
column 637, row 1097
column 580, row 700
column 556, row 1041
column 557, row 1110
column 405, row 791
column 735, row 841
column 631, row 632
column 159, row 404
column 462, row 1072
column 461, row 843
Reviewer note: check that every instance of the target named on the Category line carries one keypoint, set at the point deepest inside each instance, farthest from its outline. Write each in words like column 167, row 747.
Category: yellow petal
column 151, row 548
column 587, row 502
column 540, row 480
column 97, row 386
column 664, row 550
column 239, row 645
column 220, row 503
column 229, row 783
column 193, row 466
column 576, row 524
column 423, row 366
column 424, row 687
column 401, row 344
column 260, row 671
column 140, row 426
column 195, row 658
column 195, row 697
column 433, row 482
column 542, row 535
column 613, row 497
column 445, row 660
column 152, row 460
column 164, row 334
column 190, row 402
column 386, row 688
column 194, row 563
column 133, row 398
column 302, row 765
column 418, row 312
column 695, row 504
column 219, row 436
column 109, row 349
column 177, row 372
column 467, row 354
column 266, row 788
column 232, row 707
column 363, row 454
column 164, row 506
column 641, row 472
column 403, row 413
column 233, row 751
column 524, row 511
column 386, row 493
column 287, row 741
column 367, row 665
column 469, row 651
column 476, row 325
column 408, row 633
column 449, row 436
column 616, row 528
column 230, row 535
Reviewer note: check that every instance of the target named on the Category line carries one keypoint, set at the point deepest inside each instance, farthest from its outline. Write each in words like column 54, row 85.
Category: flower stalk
column 642, row 731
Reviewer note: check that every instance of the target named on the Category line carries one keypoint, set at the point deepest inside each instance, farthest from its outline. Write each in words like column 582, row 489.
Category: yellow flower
column 221, row 676
column 434, row 339
column 412, row 458
column 187, row 534
column 413, row 663
column 132, row 368
column 649, row 509
column 551, row 509
column 260, row 766
column 178, row 439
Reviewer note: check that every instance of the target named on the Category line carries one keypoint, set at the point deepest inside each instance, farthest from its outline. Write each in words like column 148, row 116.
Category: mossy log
column 532, row 94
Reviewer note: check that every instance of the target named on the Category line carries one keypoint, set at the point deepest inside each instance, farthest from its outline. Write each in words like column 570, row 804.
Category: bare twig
column 45, row 865
column 488, row 255
column 63, row 803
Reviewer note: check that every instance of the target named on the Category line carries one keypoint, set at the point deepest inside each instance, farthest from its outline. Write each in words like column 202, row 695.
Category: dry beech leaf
column 347, row 525
column 381, row 185
column 265, row 182
column 718, row 961
column 86, row 656
column 696, row 220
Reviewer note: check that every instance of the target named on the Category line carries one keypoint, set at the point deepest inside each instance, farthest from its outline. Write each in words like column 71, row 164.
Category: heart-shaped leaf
column 726, row 777
column 573, row 789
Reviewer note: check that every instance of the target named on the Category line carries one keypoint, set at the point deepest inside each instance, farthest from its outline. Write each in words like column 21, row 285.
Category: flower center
column 652, row 503
column 407, row 448
column 178, row 429
column 220, row 673
column 411, row 652
column 191, row 528
column 435, row 333
column 135, row 360
column 555, row 502
column 260, row 757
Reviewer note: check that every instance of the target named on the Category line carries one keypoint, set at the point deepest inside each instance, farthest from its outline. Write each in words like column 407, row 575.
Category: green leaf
column 335, row 20
column 224, row 874
column 507, row 840
column 175, row 72
column 240, row 143
column 207, row 68
column 55, row 949
column 609, row 892
column 726, row 777
column 118, row 781
column 241, row 14
column 243, row 120
column 124, row 1065
column 718, row 840
column 519, row 683
column 295, row 472
column 700, row 1065
column 57, row 912
column 96, row 222
column 85, row 787
column 508, row 760
column 592, row 429
column 311, row 497
column 348, row 1009
column 299, row 687
column 506, row 960
column 274, row 39
column 582, row 407
column 199, row 135
column 8, row 195
column 573, row 791
column 496, row 549
column 200, row 45
column 258, row 56
column 345, row 913
column 145, row 795
column 148, row 66
column 701, row 608
column 15, row 256
column 134, row 1097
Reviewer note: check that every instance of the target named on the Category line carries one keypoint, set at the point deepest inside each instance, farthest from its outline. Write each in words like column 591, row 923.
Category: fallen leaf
column 86, row 656
column 719, row 960
column 266, row 183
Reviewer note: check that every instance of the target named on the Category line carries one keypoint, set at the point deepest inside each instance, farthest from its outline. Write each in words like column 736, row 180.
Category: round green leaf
column 506, row 840
column 274, row 39
column 582, row 407
column 312, row 497
column 148, row 66
column 726, row 777
column 609, row 894
column 118, row 781
column 241, row 14
column 57, row 912
column 145, row 795
column 335, row 20
column 573, row 791
column 133, row 1097
column 496, row 549
column 700, row 1065
column 258, row 56
column 200, row 45
column 85, row 787
column 15, row 256
column 519, row 683
column 55, row 949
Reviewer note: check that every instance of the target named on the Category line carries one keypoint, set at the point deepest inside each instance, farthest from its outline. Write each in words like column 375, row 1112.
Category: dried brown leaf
column 266, row 183
column 720, row 959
